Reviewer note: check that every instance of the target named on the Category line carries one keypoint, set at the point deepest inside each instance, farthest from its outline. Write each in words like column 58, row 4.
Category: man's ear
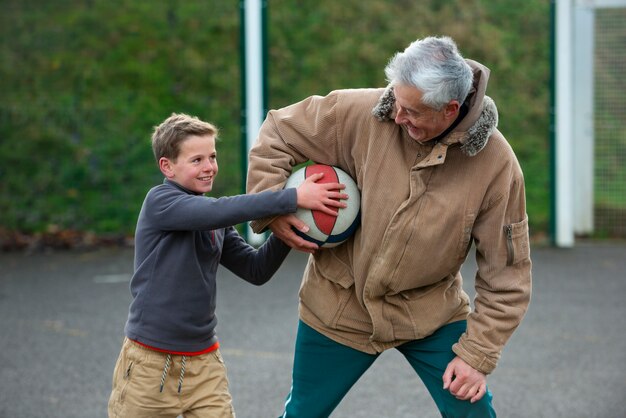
column 165, row 166
column 451, row 110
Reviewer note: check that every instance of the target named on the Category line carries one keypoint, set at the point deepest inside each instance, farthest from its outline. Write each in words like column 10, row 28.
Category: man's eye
column 407, row 111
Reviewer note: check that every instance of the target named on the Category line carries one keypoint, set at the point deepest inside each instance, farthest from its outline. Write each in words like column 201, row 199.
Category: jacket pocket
column 327, row 286
column 333, row 265
column 517, row 242
column 442, row 301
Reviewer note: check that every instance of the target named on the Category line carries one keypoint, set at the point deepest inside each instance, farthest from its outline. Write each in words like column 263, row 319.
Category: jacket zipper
column 509, row 245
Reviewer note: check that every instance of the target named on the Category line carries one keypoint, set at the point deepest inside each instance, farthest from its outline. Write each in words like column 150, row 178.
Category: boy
column 170, row 363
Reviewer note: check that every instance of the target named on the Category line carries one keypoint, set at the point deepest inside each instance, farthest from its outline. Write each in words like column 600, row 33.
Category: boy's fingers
column 334, row 186
column 315, row 177
column 334, row 203
column 328, row 211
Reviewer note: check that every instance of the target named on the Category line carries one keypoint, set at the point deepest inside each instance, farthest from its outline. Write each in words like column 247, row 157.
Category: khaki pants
column 144, row 387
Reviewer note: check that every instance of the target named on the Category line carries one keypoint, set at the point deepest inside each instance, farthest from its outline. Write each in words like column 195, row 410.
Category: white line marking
column 112, row 278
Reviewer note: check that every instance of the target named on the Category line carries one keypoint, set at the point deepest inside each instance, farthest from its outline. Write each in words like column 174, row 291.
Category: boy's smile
column 195, row 167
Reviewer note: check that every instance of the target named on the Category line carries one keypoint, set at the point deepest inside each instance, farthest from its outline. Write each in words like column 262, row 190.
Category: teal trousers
column 324, row 371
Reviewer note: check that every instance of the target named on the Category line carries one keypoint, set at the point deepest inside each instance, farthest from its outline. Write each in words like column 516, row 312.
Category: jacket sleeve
column 503, row 280
column 290, row 136
column 255, row 266
column 172, row 210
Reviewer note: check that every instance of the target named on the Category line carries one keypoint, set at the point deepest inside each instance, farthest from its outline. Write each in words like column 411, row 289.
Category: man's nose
column 399, row 116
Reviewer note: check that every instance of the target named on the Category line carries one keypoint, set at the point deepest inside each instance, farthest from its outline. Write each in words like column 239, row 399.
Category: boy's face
column 196, row 166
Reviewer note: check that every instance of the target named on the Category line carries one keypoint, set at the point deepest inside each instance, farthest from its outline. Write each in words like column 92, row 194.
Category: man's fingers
column 479, row 394
column 301, row 244
column 472, row 391
column 283, row 226
column 463, row 392
column 447, row 377
column 299, row 225
column 464, row 382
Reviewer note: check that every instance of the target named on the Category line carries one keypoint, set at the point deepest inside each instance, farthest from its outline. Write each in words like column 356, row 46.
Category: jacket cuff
column 260, row 225
column 475, row 358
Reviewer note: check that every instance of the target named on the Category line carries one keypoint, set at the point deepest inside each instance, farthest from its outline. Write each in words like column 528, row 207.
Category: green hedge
column 83, row 83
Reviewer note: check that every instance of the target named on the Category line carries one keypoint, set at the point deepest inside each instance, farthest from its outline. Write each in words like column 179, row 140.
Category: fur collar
column 472, row 141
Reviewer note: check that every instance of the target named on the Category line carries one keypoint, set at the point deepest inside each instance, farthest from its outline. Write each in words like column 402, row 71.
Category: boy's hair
column 168, row 136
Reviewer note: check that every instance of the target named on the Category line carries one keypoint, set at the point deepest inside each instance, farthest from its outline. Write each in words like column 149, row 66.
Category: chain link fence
column 610, row 123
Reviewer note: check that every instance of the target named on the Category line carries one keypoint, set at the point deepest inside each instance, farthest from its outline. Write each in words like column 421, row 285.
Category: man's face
column 423, row 123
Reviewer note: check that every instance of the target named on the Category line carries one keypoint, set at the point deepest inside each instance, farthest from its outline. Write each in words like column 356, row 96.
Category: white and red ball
column 326, row 230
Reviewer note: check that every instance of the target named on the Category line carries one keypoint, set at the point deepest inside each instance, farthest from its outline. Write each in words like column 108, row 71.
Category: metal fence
column 610, row 123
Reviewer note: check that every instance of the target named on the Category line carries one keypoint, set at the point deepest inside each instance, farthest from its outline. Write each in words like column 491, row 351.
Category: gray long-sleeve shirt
column 180, row 240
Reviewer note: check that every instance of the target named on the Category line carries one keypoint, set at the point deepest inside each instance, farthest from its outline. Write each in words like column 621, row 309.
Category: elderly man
column 435, row 175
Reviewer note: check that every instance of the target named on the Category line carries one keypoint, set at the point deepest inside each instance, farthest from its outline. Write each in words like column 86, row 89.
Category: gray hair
column 435, row 67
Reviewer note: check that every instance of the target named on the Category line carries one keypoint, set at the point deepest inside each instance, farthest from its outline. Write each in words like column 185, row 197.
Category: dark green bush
column 82, row 83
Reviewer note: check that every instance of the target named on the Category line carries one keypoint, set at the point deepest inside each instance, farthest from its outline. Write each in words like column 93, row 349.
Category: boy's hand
column 319, row 196
column 281, row 227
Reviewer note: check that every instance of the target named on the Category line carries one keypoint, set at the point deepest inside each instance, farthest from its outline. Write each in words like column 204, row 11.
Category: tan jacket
column 422, row 205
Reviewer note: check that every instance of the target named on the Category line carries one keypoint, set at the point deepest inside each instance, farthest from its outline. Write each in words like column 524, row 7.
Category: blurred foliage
column 83, row 82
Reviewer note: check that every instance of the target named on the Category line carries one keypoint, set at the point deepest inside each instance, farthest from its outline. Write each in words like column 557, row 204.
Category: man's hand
column 463, row 381
column 281, row 227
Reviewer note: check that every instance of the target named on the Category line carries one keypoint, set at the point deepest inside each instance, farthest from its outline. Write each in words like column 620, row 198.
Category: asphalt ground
column 62, row 316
